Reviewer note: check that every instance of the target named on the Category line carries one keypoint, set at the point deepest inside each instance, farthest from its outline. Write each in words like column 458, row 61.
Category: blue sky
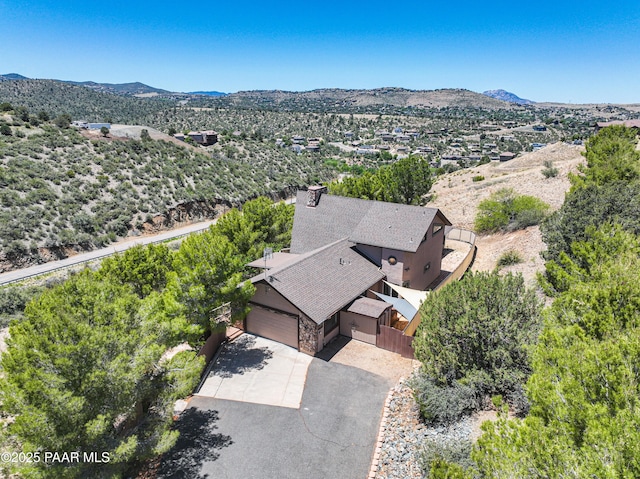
column 564, row 51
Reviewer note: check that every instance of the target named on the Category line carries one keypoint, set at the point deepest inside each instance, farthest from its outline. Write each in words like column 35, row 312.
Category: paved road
column 332, row 435
column 21, row 274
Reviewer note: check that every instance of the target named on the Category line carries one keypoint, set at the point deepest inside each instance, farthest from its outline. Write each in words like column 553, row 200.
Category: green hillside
column 58, row 187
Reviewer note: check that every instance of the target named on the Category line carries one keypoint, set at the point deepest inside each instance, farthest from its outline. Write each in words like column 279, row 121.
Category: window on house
column 437, row 227
column 386, row 289
column 406, row 284
column 331, row 323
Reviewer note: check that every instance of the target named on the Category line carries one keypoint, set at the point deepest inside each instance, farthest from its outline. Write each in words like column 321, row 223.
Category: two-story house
column 341, row 251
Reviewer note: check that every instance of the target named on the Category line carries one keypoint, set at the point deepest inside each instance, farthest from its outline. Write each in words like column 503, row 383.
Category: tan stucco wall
column 356, row 326
column 268, row 296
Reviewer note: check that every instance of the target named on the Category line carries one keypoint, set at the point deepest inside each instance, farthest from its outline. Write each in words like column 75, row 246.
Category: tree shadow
column 241, row 356
column 198, row 443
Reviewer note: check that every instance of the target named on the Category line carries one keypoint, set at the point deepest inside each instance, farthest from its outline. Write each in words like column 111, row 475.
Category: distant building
column 366, row 150
column 90, row 126
column 425, row 149
column 506, row 156
column 204, row 138
column 539, row 128
column 628, row 123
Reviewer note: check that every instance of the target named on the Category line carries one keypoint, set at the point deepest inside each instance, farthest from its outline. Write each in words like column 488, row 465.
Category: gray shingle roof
column 368, row 307
column 323, row 281
column 374, row 223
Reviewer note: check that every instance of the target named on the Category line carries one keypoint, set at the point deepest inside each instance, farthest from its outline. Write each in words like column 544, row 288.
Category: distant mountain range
column 12, row 76
column 208, row 93
column 134, row 88
column 507, row 96
column 394, row 96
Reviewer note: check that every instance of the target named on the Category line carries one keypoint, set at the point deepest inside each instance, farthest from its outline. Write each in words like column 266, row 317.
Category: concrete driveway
column 258, row 370
column 332, row 434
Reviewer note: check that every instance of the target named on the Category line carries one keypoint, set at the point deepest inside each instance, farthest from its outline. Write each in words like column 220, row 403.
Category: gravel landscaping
column 404, row 434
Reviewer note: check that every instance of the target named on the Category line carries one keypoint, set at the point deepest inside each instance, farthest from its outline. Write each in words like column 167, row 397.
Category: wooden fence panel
column 212, row 344
column 393, row 340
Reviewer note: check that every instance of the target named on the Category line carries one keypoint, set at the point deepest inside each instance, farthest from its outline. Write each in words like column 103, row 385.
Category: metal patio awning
column 401, row 305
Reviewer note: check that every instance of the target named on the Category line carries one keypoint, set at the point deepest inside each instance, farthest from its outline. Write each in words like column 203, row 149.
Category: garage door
column 272, row 325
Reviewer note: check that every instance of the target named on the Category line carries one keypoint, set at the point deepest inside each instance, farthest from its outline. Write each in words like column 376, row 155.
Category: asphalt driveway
column 332, row 434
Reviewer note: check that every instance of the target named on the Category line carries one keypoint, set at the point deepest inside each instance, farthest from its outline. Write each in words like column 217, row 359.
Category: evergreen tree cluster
column 584, row 388
column 92, row 365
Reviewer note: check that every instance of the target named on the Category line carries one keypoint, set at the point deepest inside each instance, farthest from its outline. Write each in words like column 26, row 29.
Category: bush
column 478, row 178
column 509, row 258
column 13, row 299
column 591, row 205
column 443, row 404
column 478, row 332
column 505, row 210
column 435, row 454
column 549, row 171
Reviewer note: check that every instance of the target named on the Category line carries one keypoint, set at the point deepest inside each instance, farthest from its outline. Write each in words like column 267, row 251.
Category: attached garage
column 270, row 324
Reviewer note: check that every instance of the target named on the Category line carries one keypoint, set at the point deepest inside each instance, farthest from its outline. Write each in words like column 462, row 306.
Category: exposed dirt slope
column 457, row 195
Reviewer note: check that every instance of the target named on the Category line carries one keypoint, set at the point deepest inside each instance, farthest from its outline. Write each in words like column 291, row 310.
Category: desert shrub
column 505, row 210
column 509, row 258
column 443, row 404
column 478, row 332
column 478, row 178
column 527, row 211
column 14, row 298
column 435, row 453
column 591, row 205
column 549, row 171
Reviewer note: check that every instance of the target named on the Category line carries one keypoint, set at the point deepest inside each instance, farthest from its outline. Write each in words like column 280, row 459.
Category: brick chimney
column 313, row 195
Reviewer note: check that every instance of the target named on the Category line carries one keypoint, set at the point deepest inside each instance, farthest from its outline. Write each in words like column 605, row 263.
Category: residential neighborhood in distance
column 346, row 283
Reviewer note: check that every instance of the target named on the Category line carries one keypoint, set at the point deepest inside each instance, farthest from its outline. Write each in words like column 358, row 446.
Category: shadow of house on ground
column 198, row 443
column 332, row 348
column 241, row 356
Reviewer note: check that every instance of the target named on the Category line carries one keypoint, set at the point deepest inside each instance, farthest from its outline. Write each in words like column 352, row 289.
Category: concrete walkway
column 260, row 371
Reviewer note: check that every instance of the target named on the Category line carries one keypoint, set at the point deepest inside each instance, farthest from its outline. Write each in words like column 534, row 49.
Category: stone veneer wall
column 308, row 336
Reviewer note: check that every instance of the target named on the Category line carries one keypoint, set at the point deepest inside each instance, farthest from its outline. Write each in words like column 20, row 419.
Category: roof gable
column 323, row 281
column 375, row 223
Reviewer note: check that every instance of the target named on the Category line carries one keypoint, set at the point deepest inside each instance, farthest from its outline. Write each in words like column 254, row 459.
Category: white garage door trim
column 270, row 324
